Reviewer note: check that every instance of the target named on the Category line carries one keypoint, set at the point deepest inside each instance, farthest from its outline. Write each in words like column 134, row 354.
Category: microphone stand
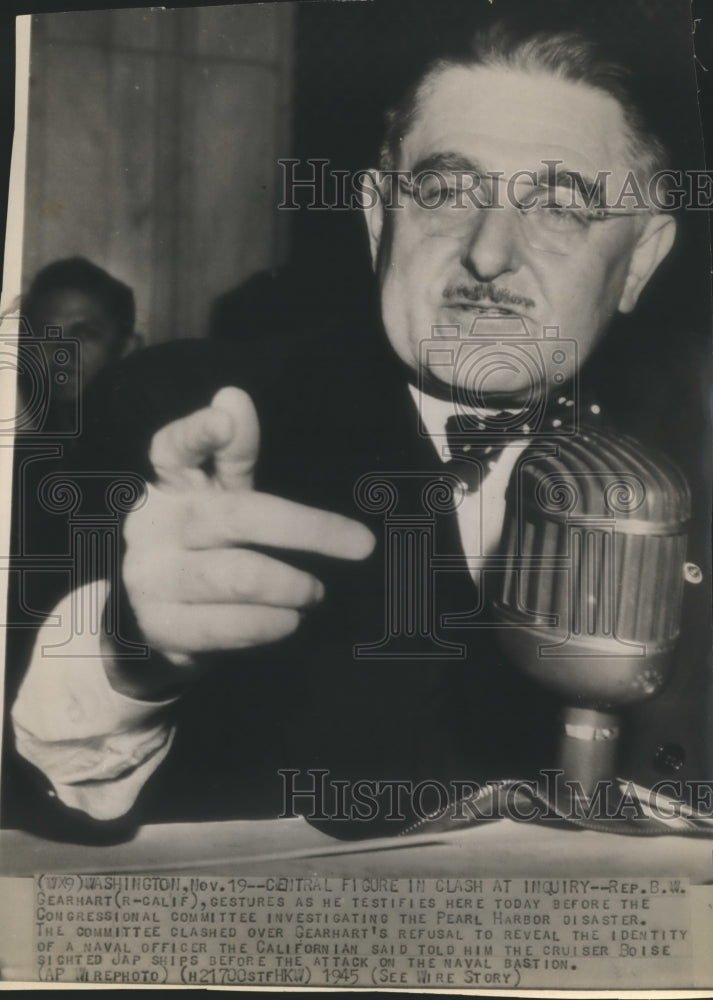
column 588, row 747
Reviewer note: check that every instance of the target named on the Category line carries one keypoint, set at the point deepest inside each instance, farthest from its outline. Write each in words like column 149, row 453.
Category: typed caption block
column 457, row 933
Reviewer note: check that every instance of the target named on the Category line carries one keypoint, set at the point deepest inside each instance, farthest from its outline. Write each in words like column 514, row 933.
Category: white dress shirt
column 96, row 746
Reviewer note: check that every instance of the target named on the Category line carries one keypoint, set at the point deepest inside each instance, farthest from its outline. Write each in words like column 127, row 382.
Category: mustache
column 487, row 293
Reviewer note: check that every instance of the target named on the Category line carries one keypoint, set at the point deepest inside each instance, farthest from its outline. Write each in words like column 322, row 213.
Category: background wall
column 153, row 138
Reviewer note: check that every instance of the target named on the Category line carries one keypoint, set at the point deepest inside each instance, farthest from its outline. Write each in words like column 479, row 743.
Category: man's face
column 82, row 317
column 503, row 120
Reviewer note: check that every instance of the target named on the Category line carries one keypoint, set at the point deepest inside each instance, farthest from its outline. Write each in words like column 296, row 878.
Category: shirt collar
column 435, row 413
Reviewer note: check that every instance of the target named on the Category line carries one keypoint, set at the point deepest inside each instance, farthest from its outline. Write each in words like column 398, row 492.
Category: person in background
column 76, row 320
column 94, row 313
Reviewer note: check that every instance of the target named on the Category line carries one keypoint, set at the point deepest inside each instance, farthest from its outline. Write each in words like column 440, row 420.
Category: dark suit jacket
column 334, row 407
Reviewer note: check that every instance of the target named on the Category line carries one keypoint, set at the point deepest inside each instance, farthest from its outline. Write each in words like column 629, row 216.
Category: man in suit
column 254, row 572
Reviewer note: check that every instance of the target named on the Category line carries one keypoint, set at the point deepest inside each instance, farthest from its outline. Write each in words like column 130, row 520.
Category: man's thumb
column 235, row 460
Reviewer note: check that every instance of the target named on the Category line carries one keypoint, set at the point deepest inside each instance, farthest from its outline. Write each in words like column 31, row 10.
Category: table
column 292, row 846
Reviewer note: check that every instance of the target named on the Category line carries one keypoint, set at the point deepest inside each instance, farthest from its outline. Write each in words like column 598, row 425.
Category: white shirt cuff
column 97, row 746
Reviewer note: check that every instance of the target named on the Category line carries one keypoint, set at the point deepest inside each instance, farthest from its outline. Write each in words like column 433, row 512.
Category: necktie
column 474, row 450
column 476, row 442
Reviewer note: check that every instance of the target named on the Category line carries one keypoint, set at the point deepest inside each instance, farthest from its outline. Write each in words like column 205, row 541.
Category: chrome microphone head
column 595, row 546
column 595, row 541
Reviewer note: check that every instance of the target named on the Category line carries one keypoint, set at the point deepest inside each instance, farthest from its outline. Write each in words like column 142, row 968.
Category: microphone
column 594, row 545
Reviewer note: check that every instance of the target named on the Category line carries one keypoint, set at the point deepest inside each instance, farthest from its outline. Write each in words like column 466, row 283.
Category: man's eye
column 565, row 216
column 435, row 189
column 443, row 189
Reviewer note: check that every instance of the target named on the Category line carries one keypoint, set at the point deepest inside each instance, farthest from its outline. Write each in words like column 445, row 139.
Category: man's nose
column 494, row 243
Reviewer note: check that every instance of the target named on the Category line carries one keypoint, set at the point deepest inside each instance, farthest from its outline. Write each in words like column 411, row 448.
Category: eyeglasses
column 448, row 204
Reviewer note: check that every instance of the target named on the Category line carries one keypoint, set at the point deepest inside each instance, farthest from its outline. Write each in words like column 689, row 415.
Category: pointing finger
column 250, row 518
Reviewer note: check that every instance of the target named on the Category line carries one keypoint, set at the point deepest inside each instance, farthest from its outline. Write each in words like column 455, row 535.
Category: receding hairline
column 429, row 84
column 532, row 56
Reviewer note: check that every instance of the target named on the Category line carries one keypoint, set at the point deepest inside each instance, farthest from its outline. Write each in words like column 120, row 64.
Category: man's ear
column 653, row 245
column 134, row 342
column 373, row 208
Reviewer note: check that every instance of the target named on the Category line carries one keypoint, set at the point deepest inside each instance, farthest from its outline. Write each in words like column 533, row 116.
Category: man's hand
column 192, row 583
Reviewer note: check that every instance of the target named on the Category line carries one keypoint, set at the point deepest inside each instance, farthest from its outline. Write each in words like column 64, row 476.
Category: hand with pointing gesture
column 191, row 582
